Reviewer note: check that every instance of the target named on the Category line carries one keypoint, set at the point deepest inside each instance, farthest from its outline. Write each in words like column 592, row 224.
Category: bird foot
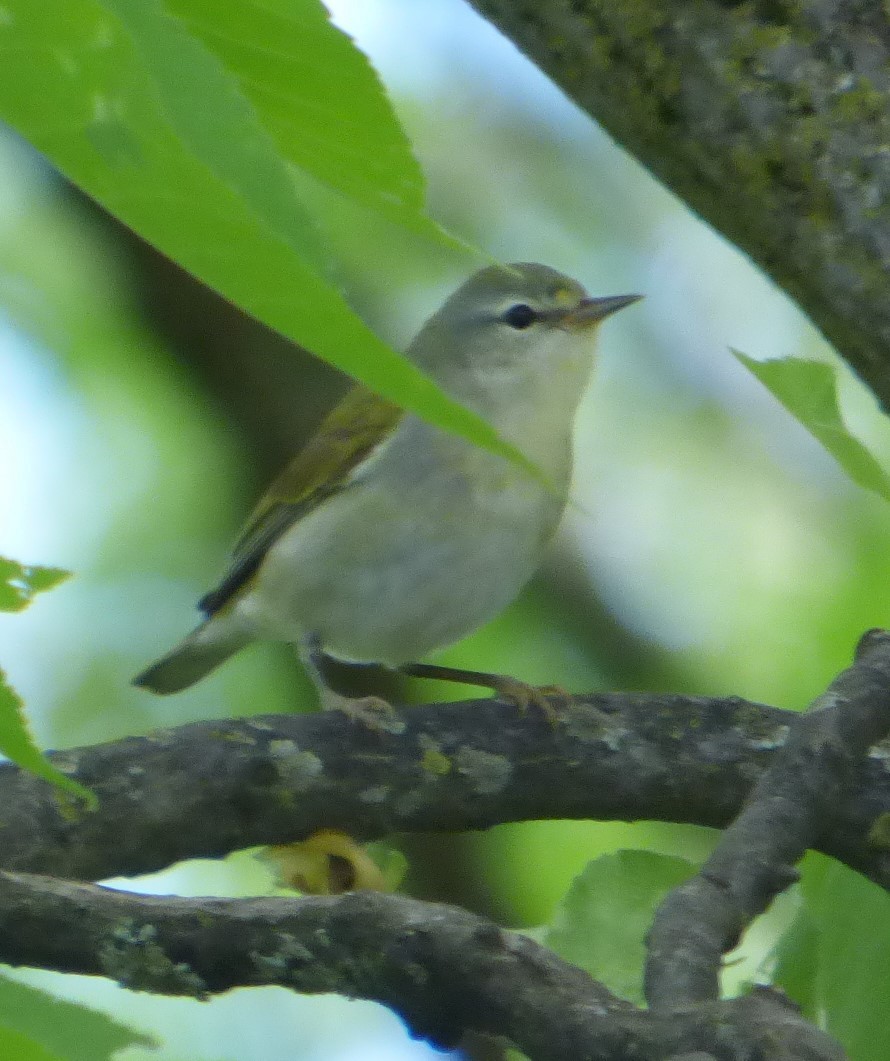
column 372, row 712
column 526, row 697
column 520, row 693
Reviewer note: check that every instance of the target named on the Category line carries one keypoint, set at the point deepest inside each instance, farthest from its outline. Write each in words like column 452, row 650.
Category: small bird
column 386, row 538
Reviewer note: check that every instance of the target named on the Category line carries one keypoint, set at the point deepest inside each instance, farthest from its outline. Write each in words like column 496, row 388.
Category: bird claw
column 539, row 697
column 372, row 712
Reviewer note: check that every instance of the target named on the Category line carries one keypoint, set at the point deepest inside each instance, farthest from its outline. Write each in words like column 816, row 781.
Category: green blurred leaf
column 20, row 583
column 391, row 862
column 21, row 1047
column 18, row 586
column 56, row 1029
column 837, row 962
column 808, row 390
column 795, row 961
column 133, row 105
column 329, row 116
column 17, row 743
column 603, row 920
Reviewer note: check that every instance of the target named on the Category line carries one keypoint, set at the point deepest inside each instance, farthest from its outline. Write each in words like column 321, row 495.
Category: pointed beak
column 592, row 310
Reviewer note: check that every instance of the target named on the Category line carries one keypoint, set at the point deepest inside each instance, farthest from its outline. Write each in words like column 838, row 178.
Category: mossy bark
column 771, row 119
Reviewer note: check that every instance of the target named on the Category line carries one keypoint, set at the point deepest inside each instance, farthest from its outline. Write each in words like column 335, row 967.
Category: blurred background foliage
column 711, row 545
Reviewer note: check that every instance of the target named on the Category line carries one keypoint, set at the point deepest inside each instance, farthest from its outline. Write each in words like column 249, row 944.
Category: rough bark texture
column 442, row 969
column 771, row 119
column 755, row 860
column 205, row 789
column 208, row 788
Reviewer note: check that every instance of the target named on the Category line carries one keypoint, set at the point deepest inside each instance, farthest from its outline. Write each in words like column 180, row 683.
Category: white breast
column 431, row 539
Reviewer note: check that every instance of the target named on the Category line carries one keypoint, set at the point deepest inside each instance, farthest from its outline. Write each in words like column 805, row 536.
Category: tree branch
column 208, row 788
column 772, row 121
column 445, row 971
column 703, row 918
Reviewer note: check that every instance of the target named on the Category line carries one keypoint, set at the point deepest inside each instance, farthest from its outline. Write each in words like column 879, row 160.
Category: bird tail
column 202, row 651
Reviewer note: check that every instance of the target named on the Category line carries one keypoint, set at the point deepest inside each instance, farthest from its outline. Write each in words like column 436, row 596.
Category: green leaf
column 19, row 583
column 328, row 116
column 17, row 744
column 176, row 124
column 18, row 586
column 391, row 862
column 808, row 390
column 23, row 1048
column 602, row 922
column 795, row 961
column 56, row 1029
column 838, row 968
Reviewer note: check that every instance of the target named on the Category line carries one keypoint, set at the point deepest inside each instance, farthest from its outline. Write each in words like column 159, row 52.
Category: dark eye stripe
column 520, row 316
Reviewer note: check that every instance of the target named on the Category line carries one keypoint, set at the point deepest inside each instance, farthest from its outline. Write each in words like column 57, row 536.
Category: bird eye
column 520, row 316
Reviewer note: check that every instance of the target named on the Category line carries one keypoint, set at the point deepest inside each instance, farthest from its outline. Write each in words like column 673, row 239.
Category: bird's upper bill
column 591, row 311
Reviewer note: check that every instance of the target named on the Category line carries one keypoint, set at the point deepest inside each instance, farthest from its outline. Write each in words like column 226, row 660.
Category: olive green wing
column 348, row 434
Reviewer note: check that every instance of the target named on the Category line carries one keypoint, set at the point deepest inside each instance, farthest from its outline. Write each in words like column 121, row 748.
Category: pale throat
column 535, row 412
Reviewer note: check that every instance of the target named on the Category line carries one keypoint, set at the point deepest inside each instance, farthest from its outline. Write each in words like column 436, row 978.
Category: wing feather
column 321, row 469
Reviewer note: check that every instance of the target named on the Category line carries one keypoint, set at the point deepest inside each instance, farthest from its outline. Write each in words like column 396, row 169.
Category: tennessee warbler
column 386, row 538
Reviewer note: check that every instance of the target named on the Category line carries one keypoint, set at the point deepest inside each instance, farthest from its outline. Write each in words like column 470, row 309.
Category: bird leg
column 517, row 692
column 373, row 712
